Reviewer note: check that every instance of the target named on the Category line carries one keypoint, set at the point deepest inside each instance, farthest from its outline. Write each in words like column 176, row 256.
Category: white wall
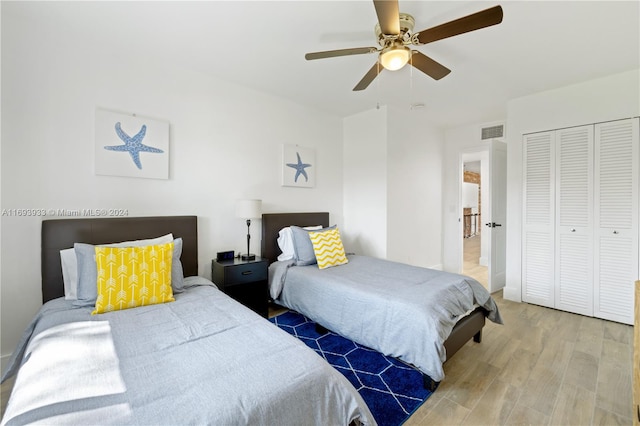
column 414, row 189
column 225, row 144
column 365, row 183
column 608, row 98
column 392, row 186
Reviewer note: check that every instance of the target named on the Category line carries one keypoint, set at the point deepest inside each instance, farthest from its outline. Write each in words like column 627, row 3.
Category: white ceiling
column 540, row 45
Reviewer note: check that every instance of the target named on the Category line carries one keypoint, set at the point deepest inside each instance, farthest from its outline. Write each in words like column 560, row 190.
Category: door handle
column 493, row 224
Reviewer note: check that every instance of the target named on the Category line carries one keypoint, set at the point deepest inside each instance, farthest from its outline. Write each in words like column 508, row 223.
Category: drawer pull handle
column 247, row 272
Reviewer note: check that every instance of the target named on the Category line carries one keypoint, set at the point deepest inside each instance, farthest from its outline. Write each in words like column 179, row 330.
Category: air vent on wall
column 493, row 132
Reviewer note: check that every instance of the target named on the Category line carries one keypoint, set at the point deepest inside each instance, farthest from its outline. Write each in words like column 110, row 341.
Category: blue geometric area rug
column 391, row 389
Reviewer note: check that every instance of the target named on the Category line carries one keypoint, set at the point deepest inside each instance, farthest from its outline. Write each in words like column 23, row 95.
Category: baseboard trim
column 483, row 260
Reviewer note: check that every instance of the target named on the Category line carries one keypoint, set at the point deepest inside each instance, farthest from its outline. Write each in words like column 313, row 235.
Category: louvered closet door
column 616, row 217
column 574, row 220
column 538, row 219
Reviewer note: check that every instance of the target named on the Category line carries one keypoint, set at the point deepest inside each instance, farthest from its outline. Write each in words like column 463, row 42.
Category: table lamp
column 249, row 209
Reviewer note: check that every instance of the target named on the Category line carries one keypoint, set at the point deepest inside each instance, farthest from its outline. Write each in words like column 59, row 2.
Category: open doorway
column 474, row 263
column 484, row 251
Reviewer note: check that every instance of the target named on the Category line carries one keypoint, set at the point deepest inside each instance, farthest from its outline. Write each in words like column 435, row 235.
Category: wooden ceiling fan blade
column 340, row 52
column 428, row 66
column 368, row 77
column 388, row 16
column 475, row 21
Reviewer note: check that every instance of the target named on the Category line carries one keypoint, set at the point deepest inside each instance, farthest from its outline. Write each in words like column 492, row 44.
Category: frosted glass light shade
column 249, row 209
column 395, row 58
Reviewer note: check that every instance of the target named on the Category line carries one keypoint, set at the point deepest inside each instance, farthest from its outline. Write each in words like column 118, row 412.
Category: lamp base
column 248, row 257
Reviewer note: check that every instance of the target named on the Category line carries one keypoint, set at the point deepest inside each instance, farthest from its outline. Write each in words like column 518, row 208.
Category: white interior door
column 495, row 224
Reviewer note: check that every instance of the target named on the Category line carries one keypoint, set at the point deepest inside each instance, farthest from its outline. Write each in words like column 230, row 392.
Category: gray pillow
column 88, row 272
column 302, row 246
column 177, row 274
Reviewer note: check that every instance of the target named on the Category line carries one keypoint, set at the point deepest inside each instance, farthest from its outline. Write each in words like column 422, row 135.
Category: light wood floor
column 471, row 260
column 542, row 367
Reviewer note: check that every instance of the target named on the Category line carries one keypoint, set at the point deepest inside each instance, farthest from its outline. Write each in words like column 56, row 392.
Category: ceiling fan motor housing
column 406, row 27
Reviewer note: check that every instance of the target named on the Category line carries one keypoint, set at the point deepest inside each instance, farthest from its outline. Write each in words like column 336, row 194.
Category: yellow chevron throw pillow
column 133, row 276
column 327, row 245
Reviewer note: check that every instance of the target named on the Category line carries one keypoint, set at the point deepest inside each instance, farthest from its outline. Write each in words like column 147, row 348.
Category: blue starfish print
column 133, row 145
column 300, row 168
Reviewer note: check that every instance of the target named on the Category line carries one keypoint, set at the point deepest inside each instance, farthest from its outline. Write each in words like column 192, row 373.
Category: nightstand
column 244, row 280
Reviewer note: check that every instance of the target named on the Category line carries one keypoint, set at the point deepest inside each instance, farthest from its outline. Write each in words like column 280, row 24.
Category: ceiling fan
column 395, row 33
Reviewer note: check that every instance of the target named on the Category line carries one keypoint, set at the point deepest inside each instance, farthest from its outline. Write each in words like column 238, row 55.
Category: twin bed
column 419, row 315
column 206, row 359
column 201, row 359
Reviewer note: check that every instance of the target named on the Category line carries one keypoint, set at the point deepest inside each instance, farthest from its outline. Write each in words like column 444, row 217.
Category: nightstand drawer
column 248, row 272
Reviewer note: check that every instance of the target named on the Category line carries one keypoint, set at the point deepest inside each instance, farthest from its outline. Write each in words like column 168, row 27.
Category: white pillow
column 69, row 273
column 69, row 262
column 285, row 242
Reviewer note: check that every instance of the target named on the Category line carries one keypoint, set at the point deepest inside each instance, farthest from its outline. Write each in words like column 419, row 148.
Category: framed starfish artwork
column 127, row 145
column 298, row 166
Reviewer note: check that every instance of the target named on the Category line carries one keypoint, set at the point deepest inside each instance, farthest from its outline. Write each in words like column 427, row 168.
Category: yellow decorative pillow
column 327, row 245
column 133, row 276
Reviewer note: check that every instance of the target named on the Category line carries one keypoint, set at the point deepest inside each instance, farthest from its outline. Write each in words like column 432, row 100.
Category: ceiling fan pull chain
column 411, row 94
column 378, row 87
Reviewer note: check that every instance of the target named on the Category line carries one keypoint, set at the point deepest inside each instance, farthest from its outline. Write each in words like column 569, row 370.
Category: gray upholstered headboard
column 272, row 223
column 60, row 234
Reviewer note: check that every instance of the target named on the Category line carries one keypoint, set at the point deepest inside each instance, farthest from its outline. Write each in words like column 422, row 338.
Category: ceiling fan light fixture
column 395, row 57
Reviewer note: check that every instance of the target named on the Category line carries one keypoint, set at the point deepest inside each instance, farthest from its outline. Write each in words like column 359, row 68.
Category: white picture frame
column 298, row 166
column 131, row 146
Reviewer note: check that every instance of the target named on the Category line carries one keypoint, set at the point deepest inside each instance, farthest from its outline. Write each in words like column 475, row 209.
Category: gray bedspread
column 400, row 310
column 202, row 360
